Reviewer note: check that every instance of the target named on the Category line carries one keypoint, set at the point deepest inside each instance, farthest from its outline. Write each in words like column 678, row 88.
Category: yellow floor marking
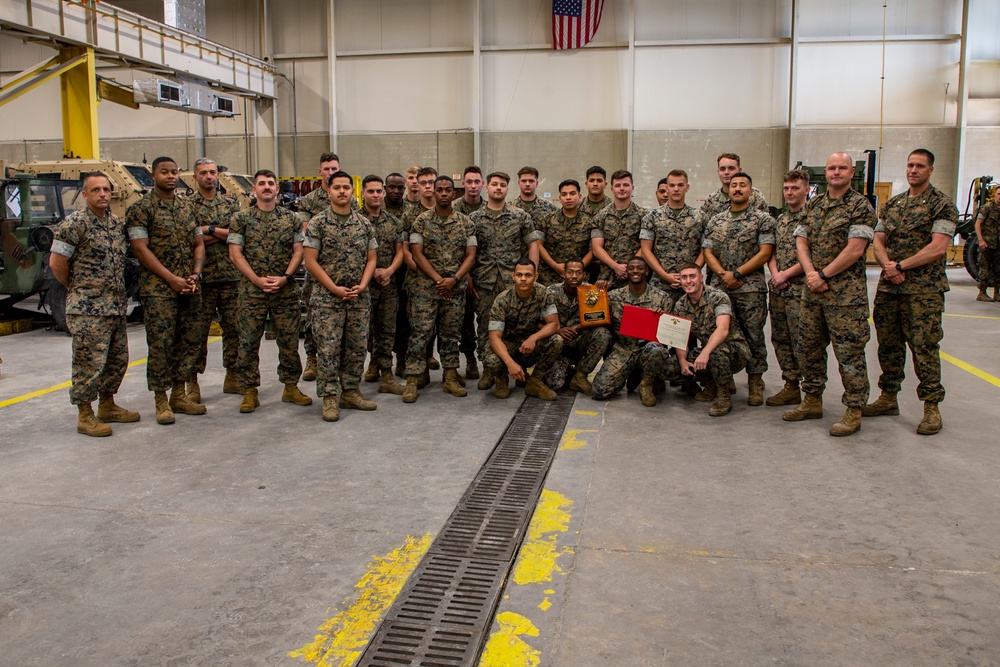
column 982, row 375
column 545, row 605
column 586, row 413
column 571, row 441
column 976, row 317
column 342, row 639
column 505, row 647
column 537, row 559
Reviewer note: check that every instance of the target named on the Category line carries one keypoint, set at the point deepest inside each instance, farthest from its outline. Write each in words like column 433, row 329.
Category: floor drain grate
column 442, row 615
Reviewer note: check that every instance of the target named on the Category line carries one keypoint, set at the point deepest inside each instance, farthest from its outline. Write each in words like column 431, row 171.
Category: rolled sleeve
column 197, row 230
column 647, row 235
column 801, row 230
column 880, row 227
column 299, row 237
column 310, row 242
column 550, row 310
column 723, row 309
column 416, row 239
column 496, row 326
column 63, row 248
column 135, row 233
column 235, row 239
column 765, row 239
column 706, row 242
column 534, row 236
column 596, row 233
column 372, row 244
column 471, row 241
column 943, row 227
column 860, row 232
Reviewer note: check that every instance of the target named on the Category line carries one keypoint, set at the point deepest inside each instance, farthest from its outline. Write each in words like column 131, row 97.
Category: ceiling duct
column 184, row 95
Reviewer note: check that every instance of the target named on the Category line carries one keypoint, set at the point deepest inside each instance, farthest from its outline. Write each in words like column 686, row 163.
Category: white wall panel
column 711, row 19
column 554, row 90
column 854, row 18
column 716, row 87
column 367, row 25
column 983, row 30
column 234, row 23
column 409, row 94
column 298, row 26
column 311, row 81
column 839, row 83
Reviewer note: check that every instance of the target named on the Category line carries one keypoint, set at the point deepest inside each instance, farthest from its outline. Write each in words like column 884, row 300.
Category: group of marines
column 498, row 280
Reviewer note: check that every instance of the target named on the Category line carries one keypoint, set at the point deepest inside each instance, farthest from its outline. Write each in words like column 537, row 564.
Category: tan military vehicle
column 234, row 185
column 129, row 180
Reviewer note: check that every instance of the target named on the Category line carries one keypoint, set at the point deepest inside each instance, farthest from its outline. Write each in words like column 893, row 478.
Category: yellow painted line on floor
column 343, row 638
column 505, row 647
column 537, row 559
column 982, row 375
column 975, row 317
column 572, row 440
column 586, row 413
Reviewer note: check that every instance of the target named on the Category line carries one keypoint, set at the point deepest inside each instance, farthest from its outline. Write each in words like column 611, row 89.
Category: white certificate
column 674, row 331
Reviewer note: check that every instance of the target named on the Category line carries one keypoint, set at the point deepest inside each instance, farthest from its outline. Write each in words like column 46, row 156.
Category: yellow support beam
column 79, row 106
column 33, row 77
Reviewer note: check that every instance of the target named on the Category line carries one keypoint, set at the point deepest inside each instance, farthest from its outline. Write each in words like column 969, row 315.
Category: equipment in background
column 129, row 180
column 980, row 191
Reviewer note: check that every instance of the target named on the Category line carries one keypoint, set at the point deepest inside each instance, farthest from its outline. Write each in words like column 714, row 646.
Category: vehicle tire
column 55, row 299
column 971, row 256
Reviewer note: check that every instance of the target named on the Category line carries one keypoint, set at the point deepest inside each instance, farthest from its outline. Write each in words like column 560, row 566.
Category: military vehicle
column 980, row 191
column 234, row 185
column 129, row 180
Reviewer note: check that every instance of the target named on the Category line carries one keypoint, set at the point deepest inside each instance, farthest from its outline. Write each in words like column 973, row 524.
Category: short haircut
column 471, row 169
column 796, row 175
column 329, row 157
column 688, row 265
column 413, row 170
column 371, row 178
column 743, row 174
column 728, row 156
column 338, row 174
column 574, row 260
column 662, row 181
column 926, row 153
column 427, row 171
column 503, row 175
column 160, row 160
column 570, row 181
column 87, row 175
column 678, row 172
column 444, row 178
column 526, row 261
column 621, row 174
column 637, row 258
column 527, row 170
column 395, row 174
column 596, row 169
column 267, row 173
column 201, row 161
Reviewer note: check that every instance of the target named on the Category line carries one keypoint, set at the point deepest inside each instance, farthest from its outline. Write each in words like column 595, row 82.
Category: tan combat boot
column 291, row 394
column 723, row 403
column 309, row 373
column 709, row 393
column 646, row 393
column 850, row 423
column 580, row 383
column 88, row 423
column 931, row 423
column 485, row 380
column 471, row 367
column 755, row 385
column 811, row 407
column 388, row 385
column 108, row 412
column 789, row 395
column 179, row 402
column 371, row 375
column 355, row 400
column 535, row 387
column 193, row 391
column 330, row 411
column 231, row 385
column 410, row 392
column 983, row 296
column 452, row 385
column 885, row 404
column 250, row 401
column 502, row 388
column 164, row 415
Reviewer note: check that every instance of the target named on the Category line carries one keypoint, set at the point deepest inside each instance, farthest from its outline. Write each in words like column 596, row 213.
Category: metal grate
column 441, row 617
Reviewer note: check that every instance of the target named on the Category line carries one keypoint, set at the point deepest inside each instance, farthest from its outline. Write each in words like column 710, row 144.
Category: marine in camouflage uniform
column 538, row 209
column 268, row 240
column 592, row 208
column 564, row 238
column 988, row 221
column 785, row 304
column 734, row 238
column 309, row 206
column 469, row 343
column 384, row 300
column 620, row 232
column 718, row 202
column 674, row 237
column 516, row 319
column 585, row 350
column 909, row 313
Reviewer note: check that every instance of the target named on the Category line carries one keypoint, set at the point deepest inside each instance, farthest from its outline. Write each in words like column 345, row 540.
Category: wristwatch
column 287, row 277
column 211, row 230
column 822, row 276
column 737, row 274
column 899, row 267
column 200, row 276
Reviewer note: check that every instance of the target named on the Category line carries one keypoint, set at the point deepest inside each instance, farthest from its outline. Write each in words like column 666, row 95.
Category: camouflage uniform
column 785, row 305
column 502, row 237
column 564, row 239
column 412, row 211
column 516, row 319
column 593, row 208
column 173, row 321
column 469, row 342
column 314, row 203
column 268, row 240
column 620, row 231
column 625, row 354
column 384, row 300
column 219, row 287
column 311, row 205
column 587, row 349
column 539, row 210
column 729, row 357
column 735, row 239
column 839, row 315
column 343, row 243
column 444, row 241
column 95, row 301
column 989, row 259
column 718, row 202
column 910, row 313
column 676, row 236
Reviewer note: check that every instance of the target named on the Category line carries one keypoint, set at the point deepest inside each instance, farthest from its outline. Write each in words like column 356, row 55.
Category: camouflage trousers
column 484, row 304
column 224, row 298
column 543, row 357
column 309, row 339
column 750, row 313
column 785, row 308
column 173, row 339
column 427, row 311
column 847, row 328
column 342, row 333
column 100, row 356
column 660, row 362
column 989, row 268
column 914, row 320
column 618, row 366
column 586, row 350
column 283, row 307
column 403, row 329
column 382, row 332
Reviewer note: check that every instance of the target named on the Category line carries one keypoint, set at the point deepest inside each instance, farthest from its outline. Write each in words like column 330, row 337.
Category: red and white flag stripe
column 570, row 31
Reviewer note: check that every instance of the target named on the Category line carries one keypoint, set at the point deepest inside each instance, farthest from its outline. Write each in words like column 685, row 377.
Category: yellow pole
column 79, row 106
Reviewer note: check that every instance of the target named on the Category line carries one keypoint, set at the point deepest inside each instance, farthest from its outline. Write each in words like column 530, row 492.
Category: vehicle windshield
column 243, row 181
column 140, row 174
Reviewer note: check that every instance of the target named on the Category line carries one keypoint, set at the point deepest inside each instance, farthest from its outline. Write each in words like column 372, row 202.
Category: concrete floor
column 664, row 537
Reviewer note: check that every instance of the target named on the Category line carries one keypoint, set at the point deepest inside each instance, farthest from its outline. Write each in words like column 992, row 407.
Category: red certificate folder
column 639, row 323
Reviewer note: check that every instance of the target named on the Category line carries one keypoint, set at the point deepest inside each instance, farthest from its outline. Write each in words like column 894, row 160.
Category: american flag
column 574, row 22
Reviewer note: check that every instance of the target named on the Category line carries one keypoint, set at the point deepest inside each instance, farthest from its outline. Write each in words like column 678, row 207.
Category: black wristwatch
column 737, row 274
column 200, row 276
column 287, row 277
column 822, row 276
column 211, row 230
column 899, row 267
